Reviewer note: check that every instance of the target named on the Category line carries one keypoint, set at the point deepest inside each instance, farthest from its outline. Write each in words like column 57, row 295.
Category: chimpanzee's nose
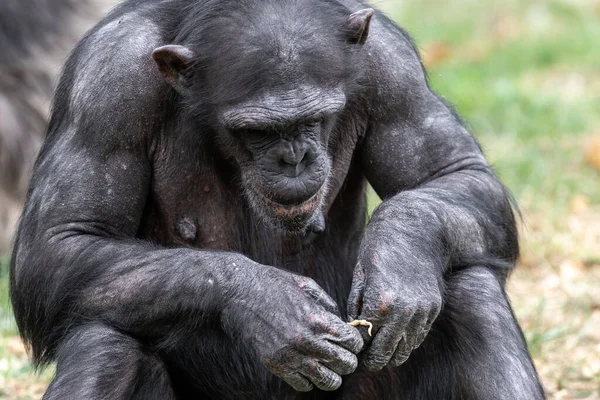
column 295, row 157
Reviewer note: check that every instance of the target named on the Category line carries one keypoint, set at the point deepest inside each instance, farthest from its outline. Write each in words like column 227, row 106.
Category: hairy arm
column 75, row 256
column 442, row 208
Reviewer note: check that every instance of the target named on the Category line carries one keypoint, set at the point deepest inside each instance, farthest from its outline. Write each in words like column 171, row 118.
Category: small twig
column 362, row 322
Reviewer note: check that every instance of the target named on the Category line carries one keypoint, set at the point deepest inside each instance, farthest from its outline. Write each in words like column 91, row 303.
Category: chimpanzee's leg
column 477, row 343
column 98, row 362
column 475, row 350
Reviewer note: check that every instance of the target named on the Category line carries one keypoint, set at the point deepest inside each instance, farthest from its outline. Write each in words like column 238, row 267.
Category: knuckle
column 298, row 383
column 399, row 359
column 375, row 363
column 389, row 297
column 300, row 387
column 348, row 365
column 403, row 350
column 327, row 354
column 406, row 342
column 319, row 322
column 422, row 336
column 329, row 381
column 299, row 342
column 308, row 367
column 384, row 304
column 320, row 376
column 306, row 283
column 373, row 366
column 359, row 273
column 281, row 366
column 275, row 361
column 422, row 307
column 375, row 259
column 356, row 343
column 435, row 304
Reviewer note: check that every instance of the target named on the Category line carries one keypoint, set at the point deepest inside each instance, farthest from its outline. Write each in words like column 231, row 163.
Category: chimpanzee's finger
column 421, row 337
column 321, row 376
column 402, row 353
column 364, row 333
column 344, row 335
column 416, row 327
column 426, row 328
column 298, row 382
column 410, row 339
column 355, row 298
column 334, row 357
column 383, row 347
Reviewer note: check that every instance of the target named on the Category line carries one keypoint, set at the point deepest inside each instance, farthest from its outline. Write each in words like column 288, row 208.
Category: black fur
column 167, row 247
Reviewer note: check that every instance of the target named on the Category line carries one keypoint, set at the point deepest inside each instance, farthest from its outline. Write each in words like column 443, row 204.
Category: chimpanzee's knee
column 96, row 361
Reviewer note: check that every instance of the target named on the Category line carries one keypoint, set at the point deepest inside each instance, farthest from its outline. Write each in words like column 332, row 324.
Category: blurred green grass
column 526, row 77
column 7, row 325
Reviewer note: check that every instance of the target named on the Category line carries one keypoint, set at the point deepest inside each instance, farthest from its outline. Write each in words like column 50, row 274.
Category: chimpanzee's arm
column 442, row 208
column 76, row 258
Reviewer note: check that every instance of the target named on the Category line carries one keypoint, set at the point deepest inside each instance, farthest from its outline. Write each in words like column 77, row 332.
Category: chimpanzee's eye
column 253, row 136
column 255, row 133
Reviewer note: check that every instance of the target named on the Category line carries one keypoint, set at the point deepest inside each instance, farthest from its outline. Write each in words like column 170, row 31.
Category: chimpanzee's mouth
column 292, row 217
column 293, row 211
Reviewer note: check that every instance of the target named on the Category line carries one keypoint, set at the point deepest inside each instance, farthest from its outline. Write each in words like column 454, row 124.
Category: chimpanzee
column 35, row 37
column 195, row 226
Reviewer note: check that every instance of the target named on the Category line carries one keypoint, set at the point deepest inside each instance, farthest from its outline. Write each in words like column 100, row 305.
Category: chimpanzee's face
column 274, row 81
column 282, row 137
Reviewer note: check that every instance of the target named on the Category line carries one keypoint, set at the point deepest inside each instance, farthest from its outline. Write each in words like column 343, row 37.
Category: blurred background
column 525, row 74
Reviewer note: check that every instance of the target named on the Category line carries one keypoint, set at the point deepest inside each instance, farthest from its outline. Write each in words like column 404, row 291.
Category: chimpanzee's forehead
column 250, row 66
column 277, row 37
column 259, row 46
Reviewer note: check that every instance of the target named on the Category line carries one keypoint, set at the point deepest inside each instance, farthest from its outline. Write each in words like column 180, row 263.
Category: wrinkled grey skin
column 161, row 255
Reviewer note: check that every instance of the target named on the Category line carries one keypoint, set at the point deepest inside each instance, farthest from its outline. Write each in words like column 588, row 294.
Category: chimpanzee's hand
column 401, row 301
column 294, row 327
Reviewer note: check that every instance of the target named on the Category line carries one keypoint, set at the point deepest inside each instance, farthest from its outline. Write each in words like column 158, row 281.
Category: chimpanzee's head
column 271, row 77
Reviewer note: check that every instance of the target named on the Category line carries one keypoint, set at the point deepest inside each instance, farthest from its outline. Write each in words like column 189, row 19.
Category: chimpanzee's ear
column 357, row 26
column 172, row 61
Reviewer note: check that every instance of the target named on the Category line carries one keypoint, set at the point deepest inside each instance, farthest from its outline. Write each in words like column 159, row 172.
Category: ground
column 525, row 74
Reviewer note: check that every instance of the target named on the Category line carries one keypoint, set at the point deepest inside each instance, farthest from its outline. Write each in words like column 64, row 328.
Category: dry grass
column 556, row 296
column 560, row 314
column 17, row 380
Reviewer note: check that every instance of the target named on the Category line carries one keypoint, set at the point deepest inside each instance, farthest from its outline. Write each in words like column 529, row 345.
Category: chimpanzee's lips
column 293, row 211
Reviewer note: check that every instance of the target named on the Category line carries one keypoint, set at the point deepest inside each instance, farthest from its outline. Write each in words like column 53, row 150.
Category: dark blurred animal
column 195, row 225
column 35, row 38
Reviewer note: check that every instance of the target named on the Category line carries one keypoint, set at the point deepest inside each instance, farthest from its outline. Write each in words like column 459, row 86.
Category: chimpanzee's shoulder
column 393, row 68
column 110, row 86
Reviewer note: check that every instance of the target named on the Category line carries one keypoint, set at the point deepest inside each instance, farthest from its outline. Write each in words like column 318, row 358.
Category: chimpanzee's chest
column 196, row 199
column 190, row 204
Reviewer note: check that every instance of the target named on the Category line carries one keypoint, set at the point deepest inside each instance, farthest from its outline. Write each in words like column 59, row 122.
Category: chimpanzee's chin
column 291, row 218
column 297, row 224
